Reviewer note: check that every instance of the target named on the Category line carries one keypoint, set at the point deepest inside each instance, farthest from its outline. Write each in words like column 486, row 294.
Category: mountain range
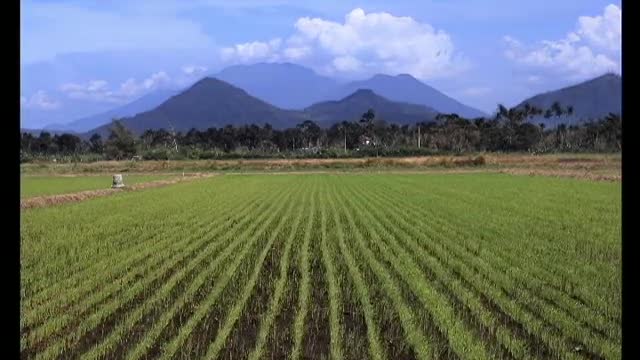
column 209, row 103
column 212, row 102
column 284, row 94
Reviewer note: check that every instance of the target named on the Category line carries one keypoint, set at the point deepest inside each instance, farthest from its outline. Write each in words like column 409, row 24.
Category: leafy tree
column 95, row 143
column 121, row 144
column 366, row 120
column 68, row 144
column 310, row 131
column 44, row 142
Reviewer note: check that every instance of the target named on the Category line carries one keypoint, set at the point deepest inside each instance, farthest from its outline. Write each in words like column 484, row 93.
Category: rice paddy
column 318, row 266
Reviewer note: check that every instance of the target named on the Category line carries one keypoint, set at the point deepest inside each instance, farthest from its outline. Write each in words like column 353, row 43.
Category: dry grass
column 590, row 166
column 571, row 173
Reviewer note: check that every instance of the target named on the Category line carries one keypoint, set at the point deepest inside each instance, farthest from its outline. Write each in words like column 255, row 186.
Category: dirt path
column 43, row 201
column 570, row 173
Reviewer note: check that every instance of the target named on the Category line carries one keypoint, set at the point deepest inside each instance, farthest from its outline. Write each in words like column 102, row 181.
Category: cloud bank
column 364, row 43
column 593, row 48
column 40, row 100
column 100, row 91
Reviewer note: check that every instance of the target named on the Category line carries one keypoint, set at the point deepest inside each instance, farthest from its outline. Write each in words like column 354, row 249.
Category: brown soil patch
column 43, row 201
column 604, row 167
column 576, row 174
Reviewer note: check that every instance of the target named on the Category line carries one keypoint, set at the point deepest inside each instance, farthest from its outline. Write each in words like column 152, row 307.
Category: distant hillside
column 591, row 99
column 209, row 103
column 408, row 89
column 285, row 85
column 142, row 104
column 353, row 106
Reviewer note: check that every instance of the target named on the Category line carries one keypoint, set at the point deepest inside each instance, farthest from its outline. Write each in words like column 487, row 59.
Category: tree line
column 509, row 130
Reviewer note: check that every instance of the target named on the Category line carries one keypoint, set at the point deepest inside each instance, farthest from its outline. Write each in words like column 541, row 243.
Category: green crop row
column 348, row 266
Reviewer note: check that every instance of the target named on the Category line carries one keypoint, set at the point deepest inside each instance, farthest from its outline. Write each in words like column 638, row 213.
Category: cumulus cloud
column 346, row 63
column 100, row 91
column 364, row 42
column 593, row 48
column 192, row 70
column 295, row 53
column 40, row 100
column 604, row 31
column 94, row 90
column 253, row 51
column 157, row 80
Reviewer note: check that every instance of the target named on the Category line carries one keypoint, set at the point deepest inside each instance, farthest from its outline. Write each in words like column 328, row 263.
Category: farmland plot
column 31, row 186
column 451, row 266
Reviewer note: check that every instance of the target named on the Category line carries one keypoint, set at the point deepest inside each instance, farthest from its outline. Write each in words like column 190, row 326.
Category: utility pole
column 345, row 139
column 173, row 137
column 418, row 135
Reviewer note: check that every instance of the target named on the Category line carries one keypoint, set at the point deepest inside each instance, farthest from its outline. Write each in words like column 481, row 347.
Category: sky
column 79, row 58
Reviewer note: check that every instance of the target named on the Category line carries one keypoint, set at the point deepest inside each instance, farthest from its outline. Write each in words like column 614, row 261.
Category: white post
column 117, row 181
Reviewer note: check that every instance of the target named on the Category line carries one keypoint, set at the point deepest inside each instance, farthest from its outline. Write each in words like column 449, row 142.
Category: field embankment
column 32, row 186
column 65, row 189
column 590, row 166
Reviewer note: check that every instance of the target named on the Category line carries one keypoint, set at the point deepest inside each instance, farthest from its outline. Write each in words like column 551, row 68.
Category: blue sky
column 83, row 57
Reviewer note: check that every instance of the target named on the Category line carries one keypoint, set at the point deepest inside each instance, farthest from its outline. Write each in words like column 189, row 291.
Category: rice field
column 319, row 266
column 40, row 185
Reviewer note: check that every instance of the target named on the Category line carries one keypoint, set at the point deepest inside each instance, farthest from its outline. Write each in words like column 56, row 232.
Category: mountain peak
column 406, row 88
column 286, row 85
column 363, row 93
column 351, row 107
column 590, row 99
column 406, row 76
column 208, row 80
column 212, row 84
column 210, row 102
column 610, row 76
column 391, row 77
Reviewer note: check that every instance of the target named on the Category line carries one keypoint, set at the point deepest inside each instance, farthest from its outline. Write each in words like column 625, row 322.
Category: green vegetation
column 51, row 185
column 509, row 131
column 382, row 266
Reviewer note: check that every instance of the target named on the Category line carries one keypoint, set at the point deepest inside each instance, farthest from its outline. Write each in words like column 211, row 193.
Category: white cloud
column 603, row 31
column 253, row 51
column 99, row 90
column 347, row 63
column 40, row 100
column 192, row 70
column 364, row 43
column 295, row 53
column 94, row 90
column 592, row 49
